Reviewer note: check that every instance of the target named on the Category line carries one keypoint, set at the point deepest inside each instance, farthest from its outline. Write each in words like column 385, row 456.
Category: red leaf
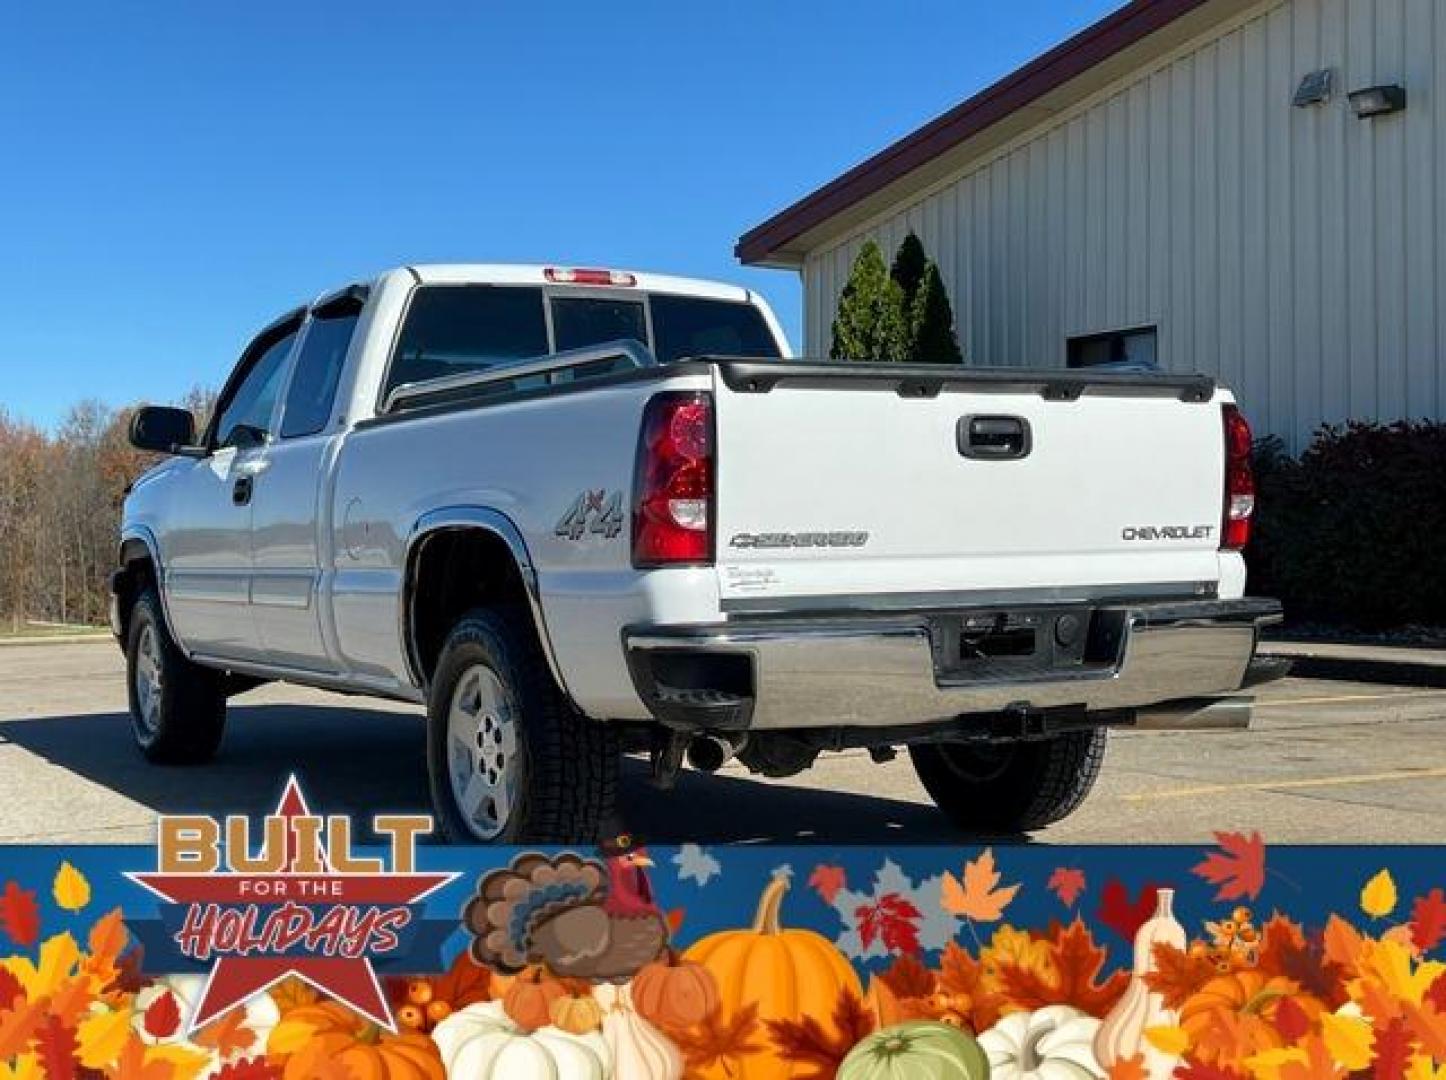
column 1436, row 995
column 255, row 1068
column 1120, row 913
column 1428, row 920
column 10, row 989
column 907, row 977
column 1291, row 1020
column 892, row 920
column 827, row 881
column 1394, row 1048
column 675, row 920
column 1067, row 883
column 163, row 1018
column 1238, row 867
column 19, row 915
column 56, row 1046
column 1200, row 1071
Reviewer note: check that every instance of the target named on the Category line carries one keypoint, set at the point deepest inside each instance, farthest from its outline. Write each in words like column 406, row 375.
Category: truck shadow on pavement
column 368, row 761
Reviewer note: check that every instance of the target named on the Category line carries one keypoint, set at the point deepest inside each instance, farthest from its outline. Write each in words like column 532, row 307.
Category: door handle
column 994, row 438
column 241, row 492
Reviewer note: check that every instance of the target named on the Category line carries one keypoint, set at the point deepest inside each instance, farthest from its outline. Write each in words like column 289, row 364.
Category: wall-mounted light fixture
column 1314, row 89
column 1377, row 100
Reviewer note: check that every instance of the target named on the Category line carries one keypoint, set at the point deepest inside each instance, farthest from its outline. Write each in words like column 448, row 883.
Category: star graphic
column 350, row 980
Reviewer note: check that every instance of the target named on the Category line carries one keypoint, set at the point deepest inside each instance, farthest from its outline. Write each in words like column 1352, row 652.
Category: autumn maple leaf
column 10, row 990
column 718, row 1044
column 1066, row 883
column 810, row 1042
column 827, row 881
column 1075, row 981
column 19, row 915
column 1429, row 1026
column 1428, row 920
column 892, row 920
column 1130, row 1068
column 1178, row 974
column 977, row 897
column 1123, row 915
column 1238, row 867
column 907, row 977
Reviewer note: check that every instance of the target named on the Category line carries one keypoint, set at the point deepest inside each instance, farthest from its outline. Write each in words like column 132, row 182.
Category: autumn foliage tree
column 60, row 500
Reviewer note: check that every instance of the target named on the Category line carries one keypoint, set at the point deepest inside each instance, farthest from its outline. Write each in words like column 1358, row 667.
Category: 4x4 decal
column 594, row 512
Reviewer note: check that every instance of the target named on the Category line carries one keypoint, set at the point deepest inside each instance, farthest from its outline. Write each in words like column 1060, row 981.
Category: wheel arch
column 441, row 534
column 137, row 559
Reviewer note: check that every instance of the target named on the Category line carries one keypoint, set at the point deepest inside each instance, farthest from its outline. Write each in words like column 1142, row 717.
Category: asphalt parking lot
column 1327, row 762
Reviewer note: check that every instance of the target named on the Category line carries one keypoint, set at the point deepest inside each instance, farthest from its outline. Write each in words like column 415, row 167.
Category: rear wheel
column 177, row 708
column 509, row 759
column 1011, row 787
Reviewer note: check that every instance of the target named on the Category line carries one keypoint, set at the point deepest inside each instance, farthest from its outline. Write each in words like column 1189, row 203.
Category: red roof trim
column 1087, row 49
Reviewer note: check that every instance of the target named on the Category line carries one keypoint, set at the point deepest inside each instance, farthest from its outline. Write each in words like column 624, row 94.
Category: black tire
column 564, row 786
column 1011, row 787
column 179, row 718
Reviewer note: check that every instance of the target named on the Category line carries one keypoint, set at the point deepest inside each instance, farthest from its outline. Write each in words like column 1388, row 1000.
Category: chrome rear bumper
column 890, row 670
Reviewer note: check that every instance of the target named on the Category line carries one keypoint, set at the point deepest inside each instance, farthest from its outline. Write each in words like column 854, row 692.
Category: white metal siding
column 1300, row 254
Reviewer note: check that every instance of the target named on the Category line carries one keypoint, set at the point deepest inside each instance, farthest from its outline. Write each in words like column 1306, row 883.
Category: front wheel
column 1011, row 787
column 509, row 760
column 178, row 709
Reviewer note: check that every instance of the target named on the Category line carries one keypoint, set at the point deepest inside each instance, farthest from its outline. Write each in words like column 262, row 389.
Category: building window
column 1136, row 347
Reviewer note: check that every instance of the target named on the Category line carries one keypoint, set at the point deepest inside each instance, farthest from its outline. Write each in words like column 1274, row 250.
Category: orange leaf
column 1238, row 867
column 228, row 1036
column 1429, row 1026
column 1075, row 980
column 720, row 1044
column 978, row 897
column 17, row 1026
column 134, row 1066
column 909, row 978
column 1131, row 1068
column 1178, row 974
column 1343, row 943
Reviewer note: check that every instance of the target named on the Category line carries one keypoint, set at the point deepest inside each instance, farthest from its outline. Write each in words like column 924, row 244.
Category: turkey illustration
column 582, row 918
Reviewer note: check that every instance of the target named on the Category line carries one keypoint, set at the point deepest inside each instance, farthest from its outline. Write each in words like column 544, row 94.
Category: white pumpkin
column 640, row 1051
column 1053, row 1043
column 262, row 1014
column 481, row 1042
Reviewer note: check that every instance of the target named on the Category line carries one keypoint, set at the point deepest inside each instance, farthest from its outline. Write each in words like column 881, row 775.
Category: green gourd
column 918, row 1048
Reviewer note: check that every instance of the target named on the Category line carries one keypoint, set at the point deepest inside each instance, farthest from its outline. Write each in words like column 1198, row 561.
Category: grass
column 32, row 631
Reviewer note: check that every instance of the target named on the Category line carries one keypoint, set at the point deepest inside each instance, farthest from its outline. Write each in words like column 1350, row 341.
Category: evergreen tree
column 931, row 323
column 870, row 323
column 908, row 270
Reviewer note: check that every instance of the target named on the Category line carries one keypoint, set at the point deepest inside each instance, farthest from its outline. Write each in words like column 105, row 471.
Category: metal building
column 1254, row 190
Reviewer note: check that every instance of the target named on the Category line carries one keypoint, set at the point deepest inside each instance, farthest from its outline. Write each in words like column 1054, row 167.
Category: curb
column 57, row 639
column 1358, row 669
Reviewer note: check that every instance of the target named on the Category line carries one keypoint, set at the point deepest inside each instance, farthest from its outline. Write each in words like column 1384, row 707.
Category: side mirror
column 163, row 430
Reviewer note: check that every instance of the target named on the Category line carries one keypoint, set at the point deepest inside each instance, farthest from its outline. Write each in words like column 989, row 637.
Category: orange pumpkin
column 675, row 993
column 529, row 999
column 1250, row 999
column 786, row 973
column 576, row 1014
column 328, row 1032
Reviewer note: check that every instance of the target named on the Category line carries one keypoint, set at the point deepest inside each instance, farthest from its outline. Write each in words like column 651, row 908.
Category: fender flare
column 481, row 519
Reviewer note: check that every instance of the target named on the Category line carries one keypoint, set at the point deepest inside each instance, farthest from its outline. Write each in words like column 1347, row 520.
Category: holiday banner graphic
column 283, row 949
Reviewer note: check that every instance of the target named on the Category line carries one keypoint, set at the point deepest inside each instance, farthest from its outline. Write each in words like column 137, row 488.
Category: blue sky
column 173, row 175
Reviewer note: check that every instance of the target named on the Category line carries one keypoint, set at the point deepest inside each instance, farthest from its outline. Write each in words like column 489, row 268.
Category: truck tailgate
column 876, row 483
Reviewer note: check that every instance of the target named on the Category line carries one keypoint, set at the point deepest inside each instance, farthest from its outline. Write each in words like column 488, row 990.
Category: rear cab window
column 457, row 329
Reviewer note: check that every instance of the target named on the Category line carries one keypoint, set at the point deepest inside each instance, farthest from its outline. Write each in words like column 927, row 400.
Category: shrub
column 1353, row 530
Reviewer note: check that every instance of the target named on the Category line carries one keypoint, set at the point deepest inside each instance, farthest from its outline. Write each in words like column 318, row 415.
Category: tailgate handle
column 994, row 438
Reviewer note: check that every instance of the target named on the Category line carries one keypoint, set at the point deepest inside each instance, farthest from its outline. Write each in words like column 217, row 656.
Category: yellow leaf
column 1170, row 1041
column 58, row 957
column 289, row 1036
column 72, row 891
column 977, row 897
column 102, row 1037
column 1378, row 898
column 1348, row 1040
column 27, row 1067
column 1391, row 964
column 1421, row 1068
column 1268, row 1064
column 186, row 1064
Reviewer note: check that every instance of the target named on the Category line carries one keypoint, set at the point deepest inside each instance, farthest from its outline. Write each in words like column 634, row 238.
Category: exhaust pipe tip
column 1225, row 714
column 709, row 753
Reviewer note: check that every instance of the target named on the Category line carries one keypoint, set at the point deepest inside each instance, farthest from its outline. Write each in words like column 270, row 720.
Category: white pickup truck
column 577, row 513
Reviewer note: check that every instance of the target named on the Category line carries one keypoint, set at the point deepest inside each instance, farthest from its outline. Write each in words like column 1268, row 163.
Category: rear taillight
column 673, row 482
column 1239, row 482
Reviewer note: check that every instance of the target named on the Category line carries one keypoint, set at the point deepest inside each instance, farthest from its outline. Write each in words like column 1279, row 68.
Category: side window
column 455, row 329
column 316, row 374
column 245, row 419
